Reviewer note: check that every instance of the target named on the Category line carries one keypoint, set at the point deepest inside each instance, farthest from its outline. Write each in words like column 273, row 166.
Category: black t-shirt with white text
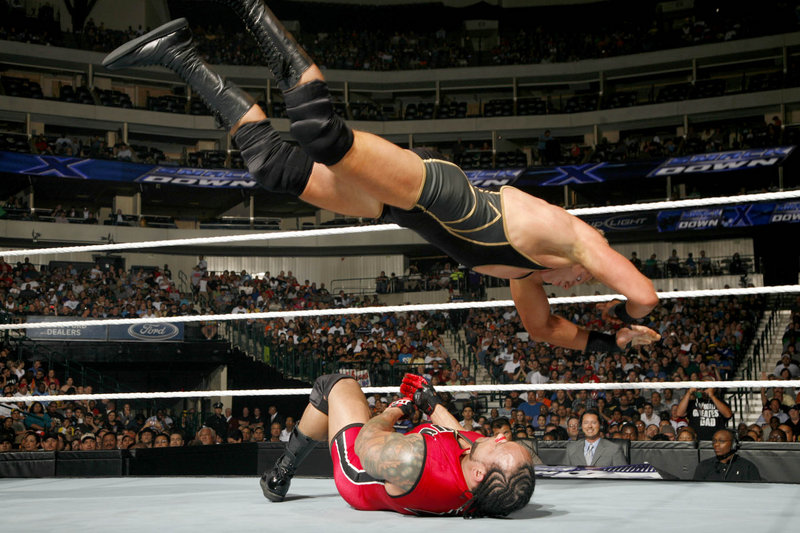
column 705, row 418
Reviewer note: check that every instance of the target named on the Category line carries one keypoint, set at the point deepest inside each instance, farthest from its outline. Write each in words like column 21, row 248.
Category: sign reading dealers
column 723, row 161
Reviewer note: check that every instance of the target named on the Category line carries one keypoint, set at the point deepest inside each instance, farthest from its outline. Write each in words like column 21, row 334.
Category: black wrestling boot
column 170, row 46
column 285, row 58
column 275, row 483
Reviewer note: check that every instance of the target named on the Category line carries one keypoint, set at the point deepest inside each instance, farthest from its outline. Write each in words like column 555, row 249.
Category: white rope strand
column 521, row 387
column 694, row 202
column 777, row 289
column 278, row 235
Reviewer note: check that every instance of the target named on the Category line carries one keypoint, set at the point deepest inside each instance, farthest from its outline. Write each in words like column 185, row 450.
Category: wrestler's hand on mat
column 636, row 336
column 422, row 392
column 406, row 405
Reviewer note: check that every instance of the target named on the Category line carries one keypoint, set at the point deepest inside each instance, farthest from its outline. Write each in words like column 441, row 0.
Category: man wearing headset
column 726, row 465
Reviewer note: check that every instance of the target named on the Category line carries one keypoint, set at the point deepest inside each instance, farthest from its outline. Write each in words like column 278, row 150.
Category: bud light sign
column 150, row 332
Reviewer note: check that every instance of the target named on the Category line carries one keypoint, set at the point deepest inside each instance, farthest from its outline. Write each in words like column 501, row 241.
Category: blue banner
column 142, row 331
column 723, row 161
column 97, row 169
column 730, row 216
column 592, row 173
column 159, row 332
column 71, row 333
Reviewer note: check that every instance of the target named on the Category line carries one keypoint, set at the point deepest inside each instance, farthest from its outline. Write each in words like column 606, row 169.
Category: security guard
column 218, row 423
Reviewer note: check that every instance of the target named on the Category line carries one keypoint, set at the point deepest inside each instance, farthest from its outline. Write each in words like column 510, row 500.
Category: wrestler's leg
column 321, row 187
column 388, row 173
column 348, row 405
column 377, row 167
column 276, row 165
column 336, row 401
column 170, row 45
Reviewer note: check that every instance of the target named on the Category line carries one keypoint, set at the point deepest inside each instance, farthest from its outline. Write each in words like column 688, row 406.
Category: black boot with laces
column 285, row 58
column 275, row 483
column 171, row 46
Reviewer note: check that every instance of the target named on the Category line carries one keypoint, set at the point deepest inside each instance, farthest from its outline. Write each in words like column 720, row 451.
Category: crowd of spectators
column 675, row 266
column 726, row 136
column 336, row 40
column 95, row 147
column 28, row 422
column 440, row 275
column 95, row 292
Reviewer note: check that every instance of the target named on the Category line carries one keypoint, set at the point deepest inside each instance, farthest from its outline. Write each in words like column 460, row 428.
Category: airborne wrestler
column 508, row 234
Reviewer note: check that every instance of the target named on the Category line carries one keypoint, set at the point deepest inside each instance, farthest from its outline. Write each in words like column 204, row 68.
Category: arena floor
column 236, row 504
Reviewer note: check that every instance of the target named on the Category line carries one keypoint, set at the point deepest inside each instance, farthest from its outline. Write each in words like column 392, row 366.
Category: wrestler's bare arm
column 534, row 311
column 388, row 455
column 612, row 269
column 442, row 417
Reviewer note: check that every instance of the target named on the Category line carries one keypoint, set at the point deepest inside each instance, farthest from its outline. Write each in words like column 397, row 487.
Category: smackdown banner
column 158, row 332
column 724, row 217
column 592, row 173
column 120, row 171
column 730, row 216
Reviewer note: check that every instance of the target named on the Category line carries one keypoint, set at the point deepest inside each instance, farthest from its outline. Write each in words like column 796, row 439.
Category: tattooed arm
column 385, row 454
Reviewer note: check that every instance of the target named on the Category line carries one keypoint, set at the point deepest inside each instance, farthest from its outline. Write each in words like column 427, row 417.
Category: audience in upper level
column 334, row 39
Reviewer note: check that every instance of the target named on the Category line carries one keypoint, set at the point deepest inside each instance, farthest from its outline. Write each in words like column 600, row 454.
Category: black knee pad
column 322, row 134
column 276, row 165
column 322, row 388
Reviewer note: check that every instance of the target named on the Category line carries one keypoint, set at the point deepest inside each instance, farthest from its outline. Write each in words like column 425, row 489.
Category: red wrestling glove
column 422, row 392
column 406, row 405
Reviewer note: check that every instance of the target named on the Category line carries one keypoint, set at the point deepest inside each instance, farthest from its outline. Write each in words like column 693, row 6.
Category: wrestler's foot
column 285, row 58
column 158, row 47
column 275, row 484
column 171, row 46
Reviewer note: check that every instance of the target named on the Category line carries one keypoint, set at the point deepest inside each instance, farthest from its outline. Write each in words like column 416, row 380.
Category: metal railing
column 700, row 267
column 82, row 375
column 184, row 284
column 740, row 398
column 307, row 366
column 761, row 345
column 418, row 283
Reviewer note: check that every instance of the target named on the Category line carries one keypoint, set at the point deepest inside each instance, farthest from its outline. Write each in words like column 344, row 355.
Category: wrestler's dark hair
column 499, row 422
column 500, row 494
column 428, row 153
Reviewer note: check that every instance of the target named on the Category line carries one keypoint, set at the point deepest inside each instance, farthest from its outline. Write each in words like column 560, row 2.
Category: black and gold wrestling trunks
column 461, row 220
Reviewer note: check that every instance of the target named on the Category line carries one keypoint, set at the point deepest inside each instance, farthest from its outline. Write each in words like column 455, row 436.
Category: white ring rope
column 693, row 202
column 776, row 289
column 270, row 236
column 277, row 235
column 521, row 387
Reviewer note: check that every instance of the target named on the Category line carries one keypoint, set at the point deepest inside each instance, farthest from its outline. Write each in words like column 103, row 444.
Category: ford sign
column 153, row 332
